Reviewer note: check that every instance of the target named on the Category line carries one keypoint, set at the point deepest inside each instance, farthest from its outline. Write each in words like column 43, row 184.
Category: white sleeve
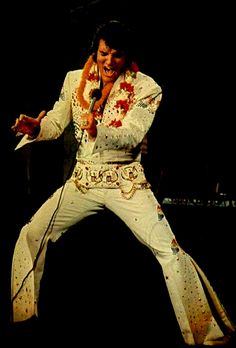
column 56, row 120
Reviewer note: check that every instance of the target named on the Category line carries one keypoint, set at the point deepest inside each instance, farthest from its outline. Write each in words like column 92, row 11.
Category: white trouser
column 143, row 215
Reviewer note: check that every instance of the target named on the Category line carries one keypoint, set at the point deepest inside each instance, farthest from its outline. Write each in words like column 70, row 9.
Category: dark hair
column 117, row 35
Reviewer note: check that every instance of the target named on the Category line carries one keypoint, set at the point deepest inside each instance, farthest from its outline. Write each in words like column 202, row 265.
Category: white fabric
column 118, row 142
column 148, row 223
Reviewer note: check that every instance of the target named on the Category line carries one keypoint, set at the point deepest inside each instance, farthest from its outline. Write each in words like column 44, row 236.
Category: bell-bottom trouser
column 201, row 316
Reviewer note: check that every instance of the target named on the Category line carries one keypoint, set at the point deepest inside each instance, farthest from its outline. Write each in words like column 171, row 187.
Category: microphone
column 96, row 95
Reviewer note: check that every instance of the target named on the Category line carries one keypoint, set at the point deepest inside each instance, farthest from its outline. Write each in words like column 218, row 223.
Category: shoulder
column 73, row 75
column 147, row 80
column 146, row 85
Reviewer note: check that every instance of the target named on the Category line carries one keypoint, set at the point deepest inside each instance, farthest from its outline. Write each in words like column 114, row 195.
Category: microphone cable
column 96, row 95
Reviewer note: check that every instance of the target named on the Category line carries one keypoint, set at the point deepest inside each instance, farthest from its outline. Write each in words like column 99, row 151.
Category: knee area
column 161, row 239
column 33, row 233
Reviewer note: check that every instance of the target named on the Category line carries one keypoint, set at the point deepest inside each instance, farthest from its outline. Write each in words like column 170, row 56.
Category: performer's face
column 110, row 62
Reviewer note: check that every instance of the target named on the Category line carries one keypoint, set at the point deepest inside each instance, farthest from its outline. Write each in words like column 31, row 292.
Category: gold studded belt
column 127, row 177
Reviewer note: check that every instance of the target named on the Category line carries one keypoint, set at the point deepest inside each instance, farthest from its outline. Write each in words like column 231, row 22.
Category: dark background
column 189, row 50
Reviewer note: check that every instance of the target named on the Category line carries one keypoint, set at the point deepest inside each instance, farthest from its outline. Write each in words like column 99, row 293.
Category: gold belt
column 128, row 177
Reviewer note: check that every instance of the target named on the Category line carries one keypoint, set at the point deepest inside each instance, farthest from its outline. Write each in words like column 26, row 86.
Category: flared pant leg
column 64, row 208
column 22, row 282
column 29, row 259
column 201, row 316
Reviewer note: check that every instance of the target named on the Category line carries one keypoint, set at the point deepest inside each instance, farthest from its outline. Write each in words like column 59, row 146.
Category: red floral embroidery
column 127, row 87
column 123, row 104
column 115, row 123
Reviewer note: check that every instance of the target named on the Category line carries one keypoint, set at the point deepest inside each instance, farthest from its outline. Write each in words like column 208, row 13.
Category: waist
column 110, row 156
column 108, row 175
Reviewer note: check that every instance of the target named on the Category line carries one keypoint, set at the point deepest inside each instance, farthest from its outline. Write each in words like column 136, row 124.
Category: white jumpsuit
column 108, row 174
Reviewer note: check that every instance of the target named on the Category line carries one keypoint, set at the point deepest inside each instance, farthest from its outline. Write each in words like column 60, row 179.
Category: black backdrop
column 188, row 49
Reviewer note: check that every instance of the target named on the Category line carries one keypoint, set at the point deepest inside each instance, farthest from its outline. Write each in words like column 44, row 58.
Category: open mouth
column 109, row 72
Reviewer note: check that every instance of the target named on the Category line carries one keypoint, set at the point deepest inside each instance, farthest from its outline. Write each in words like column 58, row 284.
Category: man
column 112, row 106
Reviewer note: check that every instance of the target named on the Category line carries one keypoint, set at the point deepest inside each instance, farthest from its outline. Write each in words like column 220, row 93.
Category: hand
column 88, row 123
column 28, row 125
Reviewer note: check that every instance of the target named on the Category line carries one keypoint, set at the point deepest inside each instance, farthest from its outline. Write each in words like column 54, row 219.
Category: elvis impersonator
column 112, row 106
